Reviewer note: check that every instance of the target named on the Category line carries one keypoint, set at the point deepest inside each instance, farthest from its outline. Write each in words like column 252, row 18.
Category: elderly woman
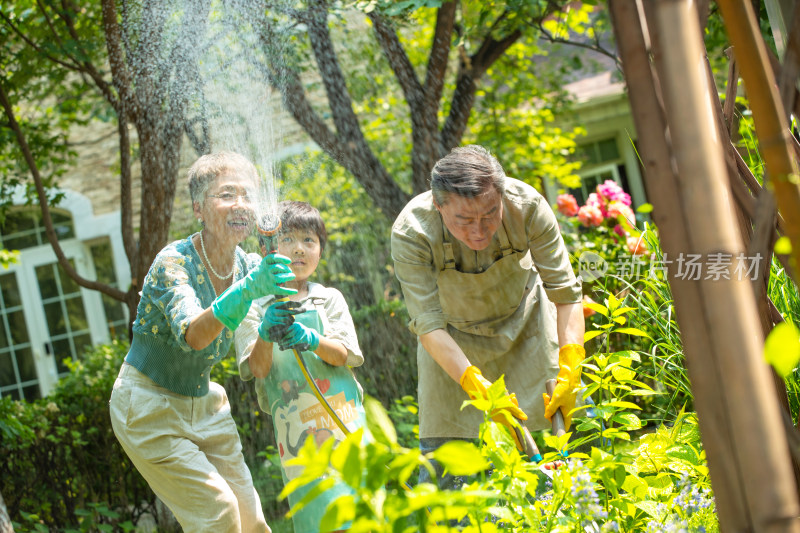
column 174, row 424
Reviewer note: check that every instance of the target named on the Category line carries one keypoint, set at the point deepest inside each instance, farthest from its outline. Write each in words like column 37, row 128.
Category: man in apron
column 490, row 291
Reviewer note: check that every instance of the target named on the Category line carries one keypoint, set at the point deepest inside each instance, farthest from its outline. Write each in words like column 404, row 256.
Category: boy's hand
column 277, row 319
column 299, row 337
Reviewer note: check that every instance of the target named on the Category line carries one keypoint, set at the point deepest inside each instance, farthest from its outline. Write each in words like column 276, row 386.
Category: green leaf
column 594, row 306
column 623, row 310
column 589, row 335
column 627, row 405
column 782, row 348
column 632, row 331
column 461, row 458
column 645, row 208
column 379, row 423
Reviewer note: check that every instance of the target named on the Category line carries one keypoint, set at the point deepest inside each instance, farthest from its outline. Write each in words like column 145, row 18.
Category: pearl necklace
column 210, row 266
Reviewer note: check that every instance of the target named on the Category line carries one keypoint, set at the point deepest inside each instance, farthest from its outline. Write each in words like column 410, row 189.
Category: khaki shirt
column 520, row 344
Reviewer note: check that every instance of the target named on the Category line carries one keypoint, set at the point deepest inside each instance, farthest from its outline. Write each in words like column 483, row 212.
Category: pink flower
column 619, row 231
column 617, row 208
column 567, row 205
column 612, row 192
column 636, row 245
column 596, row 200
column 590, row 216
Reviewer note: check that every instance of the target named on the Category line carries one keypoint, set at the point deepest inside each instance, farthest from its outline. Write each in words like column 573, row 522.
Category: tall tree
column 439, row 86
column 65, row 62
column 418, row 71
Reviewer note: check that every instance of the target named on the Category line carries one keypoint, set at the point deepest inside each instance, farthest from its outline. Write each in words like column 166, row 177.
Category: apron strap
column 505, row 245
column 449, row 258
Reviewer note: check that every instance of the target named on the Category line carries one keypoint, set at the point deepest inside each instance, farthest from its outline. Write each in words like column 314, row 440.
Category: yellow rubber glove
column 476, row 386
column 570, row 357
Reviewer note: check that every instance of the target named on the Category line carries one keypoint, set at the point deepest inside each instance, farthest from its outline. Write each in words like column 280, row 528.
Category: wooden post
column 772, row 128
column 734, row 397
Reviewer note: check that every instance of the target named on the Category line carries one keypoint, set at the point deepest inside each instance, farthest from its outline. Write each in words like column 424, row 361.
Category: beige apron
column 504, row 323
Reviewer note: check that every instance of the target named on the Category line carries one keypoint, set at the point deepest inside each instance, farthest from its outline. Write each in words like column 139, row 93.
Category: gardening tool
column 559, row 428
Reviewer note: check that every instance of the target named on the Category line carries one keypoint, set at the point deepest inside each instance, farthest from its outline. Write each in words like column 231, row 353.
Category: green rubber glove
column 277, row 319
column 231, row 306
column 476, row 386
column 565, row 394
column 300, row 337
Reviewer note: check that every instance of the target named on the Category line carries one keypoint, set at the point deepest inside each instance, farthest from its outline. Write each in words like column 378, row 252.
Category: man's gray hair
column 209, row 167
column 467, row 171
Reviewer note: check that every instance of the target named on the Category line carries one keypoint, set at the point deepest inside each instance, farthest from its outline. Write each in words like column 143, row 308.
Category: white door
column 47, row 318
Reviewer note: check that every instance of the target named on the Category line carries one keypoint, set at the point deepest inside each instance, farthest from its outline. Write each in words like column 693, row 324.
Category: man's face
column 474, row 220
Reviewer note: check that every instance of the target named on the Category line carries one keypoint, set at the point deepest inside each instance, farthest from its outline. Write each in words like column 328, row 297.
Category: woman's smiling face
column 227, row 209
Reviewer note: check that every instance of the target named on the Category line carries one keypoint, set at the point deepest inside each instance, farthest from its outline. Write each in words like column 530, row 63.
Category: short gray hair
column 468, row 171
column 209, row 167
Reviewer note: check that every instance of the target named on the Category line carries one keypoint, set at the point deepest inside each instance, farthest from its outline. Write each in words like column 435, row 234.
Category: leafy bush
column 61, row 459
column 619, row 485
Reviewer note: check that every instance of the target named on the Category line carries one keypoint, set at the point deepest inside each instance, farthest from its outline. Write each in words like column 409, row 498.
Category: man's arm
column 444, row 350
column 570, row 324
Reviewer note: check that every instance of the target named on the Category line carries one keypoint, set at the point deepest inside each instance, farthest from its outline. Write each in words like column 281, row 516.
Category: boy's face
column 303, row 248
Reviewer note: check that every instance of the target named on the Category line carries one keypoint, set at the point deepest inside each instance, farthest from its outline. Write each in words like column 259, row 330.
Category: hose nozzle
column 268, row 228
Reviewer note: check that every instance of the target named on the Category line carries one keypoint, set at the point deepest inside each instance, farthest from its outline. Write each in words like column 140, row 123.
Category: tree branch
column 85, row 66
column 113, row 292
column 398, row 61
column 119, row 71
column 470, row 69
column 33, row 45
column 439, row 56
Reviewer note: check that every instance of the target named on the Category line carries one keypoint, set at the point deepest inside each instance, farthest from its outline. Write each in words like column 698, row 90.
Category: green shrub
column 61, row 460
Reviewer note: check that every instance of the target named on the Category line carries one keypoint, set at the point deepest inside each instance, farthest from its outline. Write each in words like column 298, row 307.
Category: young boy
column 324, row 332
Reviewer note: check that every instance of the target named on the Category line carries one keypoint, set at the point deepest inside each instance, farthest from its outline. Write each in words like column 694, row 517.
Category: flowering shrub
column 610, row 482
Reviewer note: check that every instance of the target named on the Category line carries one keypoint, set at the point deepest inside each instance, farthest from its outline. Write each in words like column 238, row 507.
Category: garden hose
column 268, row 227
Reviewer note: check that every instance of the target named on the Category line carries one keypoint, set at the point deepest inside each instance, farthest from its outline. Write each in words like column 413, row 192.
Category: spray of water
column 208, row 58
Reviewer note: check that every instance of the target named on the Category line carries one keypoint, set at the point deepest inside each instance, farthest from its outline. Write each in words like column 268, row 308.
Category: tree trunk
column 746, row 446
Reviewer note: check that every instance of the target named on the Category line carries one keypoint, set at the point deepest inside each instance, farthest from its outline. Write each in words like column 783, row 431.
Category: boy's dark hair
column 302, row 215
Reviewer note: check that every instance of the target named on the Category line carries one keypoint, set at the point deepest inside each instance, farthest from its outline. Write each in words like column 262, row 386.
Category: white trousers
column 188, row 451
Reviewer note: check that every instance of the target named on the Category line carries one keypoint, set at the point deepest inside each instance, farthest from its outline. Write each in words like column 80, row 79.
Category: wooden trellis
column 706, row 203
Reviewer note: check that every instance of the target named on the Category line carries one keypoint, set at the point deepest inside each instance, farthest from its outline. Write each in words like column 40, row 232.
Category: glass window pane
column 18, row 327
column 68, row 285
column 3, row 336
column 32, row 392
column 25, row 365
column 62, row 224
column 13, row 393
column 56, row 320
column 115, row 310
column 10, row 290
column 77, row 315
column 46, row 276
column 7, row 376
column 82, row 343
column 23, row 228
column 62, row 350
column 608, row 150
column 20, row 241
